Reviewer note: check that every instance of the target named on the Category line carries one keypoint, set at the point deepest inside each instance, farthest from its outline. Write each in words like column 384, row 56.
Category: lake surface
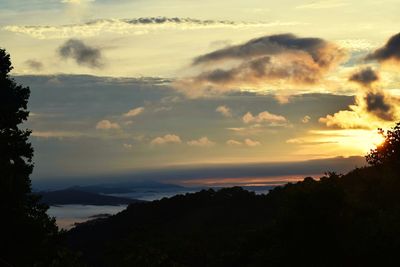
column 67, row 215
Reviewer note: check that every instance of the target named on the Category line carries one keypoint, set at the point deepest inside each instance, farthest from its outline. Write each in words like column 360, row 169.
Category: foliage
column 389, row 151
column 28, row 237
column 339, row 220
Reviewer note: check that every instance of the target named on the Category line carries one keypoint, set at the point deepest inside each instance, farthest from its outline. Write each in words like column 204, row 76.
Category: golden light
column 369, row 140
column 361, row 141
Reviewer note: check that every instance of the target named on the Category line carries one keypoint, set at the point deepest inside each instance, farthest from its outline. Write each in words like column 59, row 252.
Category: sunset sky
column 122, row 86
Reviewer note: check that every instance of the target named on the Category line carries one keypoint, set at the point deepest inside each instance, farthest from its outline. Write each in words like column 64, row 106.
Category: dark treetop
column 28, row 236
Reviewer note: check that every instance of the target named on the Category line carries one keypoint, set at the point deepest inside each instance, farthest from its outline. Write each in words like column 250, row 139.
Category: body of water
column 67, row 215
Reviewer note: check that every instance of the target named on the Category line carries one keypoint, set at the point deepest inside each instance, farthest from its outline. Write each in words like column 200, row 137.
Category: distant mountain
column 130, row 187
column 160, row 177
column 74, row 196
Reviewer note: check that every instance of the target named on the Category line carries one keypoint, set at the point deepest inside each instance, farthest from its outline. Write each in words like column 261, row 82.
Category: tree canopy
column 338, row 220
column 29, row 237
column 389, row 151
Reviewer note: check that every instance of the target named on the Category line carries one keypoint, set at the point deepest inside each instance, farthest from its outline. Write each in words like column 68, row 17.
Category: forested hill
column 74, row 196
column 349, row 220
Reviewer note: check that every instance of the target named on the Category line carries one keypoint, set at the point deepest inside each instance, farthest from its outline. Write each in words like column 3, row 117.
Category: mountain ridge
column 72, row 196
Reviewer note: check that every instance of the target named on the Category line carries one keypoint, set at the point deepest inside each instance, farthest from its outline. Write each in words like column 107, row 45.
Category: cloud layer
column 107, row 125
column 166, row 139
column 78, row 2
column 224, row 110
column 130, row 26
column 264, row 116
column 134, row 112
column 247, row 142
column 201, row 142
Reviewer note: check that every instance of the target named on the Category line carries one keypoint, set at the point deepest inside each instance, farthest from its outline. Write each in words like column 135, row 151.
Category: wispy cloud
column 127, row 146
column 134, row 112
column 131, row 26
column 264, row 116
column 251, row 143
column 78, row 2
column 201, row 142
column 236, row 129
column 55, row 134
column 232, row 142
column 306, row 119
column 224, row 110
column 166, row 139
column 107, row 125
column 356, row 45
column 34, row 64
column 323, row 4
column 246, row 142
column 299, row 141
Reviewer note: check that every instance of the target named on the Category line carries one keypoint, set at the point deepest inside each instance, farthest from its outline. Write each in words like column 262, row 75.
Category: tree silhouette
column 389, row 151
column 26, row 231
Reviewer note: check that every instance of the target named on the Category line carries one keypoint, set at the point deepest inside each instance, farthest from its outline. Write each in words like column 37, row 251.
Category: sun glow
column 358, row 140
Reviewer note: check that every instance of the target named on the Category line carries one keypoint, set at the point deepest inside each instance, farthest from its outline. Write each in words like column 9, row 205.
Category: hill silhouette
column 75, row 196
column 338, row 220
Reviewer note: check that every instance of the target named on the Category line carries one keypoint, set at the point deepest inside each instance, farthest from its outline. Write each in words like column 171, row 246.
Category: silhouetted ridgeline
column 350, row 220
column 75, row 196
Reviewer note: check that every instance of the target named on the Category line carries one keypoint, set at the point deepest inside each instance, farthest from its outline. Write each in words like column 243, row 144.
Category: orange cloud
column 282, row 58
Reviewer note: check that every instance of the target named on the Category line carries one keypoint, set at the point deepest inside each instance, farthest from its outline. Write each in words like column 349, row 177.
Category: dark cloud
column 390, row 51
column 34, row 64
column 81, row 53
column 262, row 69
column 374, row 100
column 379, row 105
column 176, row 20
column 274, row 45
column 365, row 76
column 284, row 57
column 373, row 108
column 218, row 75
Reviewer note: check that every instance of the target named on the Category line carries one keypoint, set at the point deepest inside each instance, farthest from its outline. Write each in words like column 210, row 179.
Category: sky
column 128, row 87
